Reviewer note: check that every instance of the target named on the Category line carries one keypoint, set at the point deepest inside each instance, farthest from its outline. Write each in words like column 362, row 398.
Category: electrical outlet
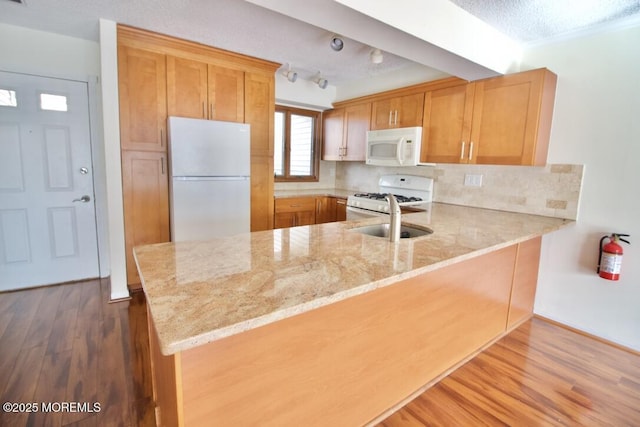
column 472, row 180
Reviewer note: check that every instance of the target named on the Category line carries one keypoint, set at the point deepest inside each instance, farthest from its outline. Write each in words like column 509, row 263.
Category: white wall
column 24, row 50
column 597, row 123
column 36, row 52
column 111, row 114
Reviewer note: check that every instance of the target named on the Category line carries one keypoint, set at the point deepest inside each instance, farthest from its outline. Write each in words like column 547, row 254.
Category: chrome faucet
column 394, row 218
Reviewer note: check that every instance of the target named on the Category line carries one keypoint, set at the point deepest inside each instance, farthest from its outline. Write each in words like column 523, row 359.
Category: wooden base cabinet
column 347, row 363
column 294, row 211
column 145, row 189
column 525, row 281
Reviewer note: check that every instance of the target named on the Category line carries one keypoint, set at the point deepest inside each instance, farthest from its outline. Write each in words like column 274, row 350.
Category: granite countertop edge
column 171, row 342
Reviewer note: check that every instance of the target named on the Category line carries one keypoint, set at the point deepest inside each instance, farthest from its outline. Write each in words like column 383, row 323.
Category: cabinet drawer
column 295, row 204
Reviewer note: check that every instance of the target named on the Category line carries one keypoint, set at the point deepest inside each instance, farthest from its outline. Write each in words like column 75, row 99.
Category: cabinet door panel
column 447, row 124
column 261, row 193
column 333, row 134
column 357, row 121
column 507, row 116
column 226, row 94
column 341, row 209
column 284, row 220
column 325, row 209
column 186, row 88
column 410, row 108
column 259, row 101
column 145, row 189
column 381, row 114
column 143, row 99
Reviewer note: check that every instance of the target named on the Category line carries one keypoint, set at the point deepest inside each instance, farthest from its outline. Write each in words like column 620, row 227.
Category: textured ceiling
column 246, row 28
column 538, row 20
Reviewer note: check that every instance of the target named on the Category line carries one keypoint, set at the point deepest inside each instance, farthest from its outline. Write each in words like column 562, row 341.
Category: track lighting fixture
column 376, row 56
column 291, row 75
column 336, row 43
column 320, row 81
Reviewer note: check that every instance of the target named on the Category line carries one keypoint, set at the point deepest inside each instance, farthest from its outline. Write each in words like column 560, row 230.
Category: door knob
column 84, row 170
column 83, row 199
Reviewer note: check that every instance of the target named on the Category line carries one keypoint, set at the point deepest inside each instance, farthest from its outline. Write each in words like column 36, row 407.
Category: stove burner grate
column 382, row 196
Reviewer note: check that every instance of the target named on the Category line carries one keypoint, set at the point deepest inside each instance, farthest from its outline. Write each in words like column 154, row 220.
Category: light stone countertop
column 278, row 194
column 198, row 292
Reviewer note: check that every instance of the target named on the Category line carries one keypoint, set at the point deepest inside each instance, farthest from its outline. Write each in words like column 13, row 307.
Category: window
column 8, row 98
column 51, row 102
column 296, row 155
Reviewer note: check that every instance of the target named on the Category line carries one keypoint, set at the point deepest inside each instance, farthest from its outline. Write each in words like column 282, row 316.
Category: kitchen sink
column 382, row 230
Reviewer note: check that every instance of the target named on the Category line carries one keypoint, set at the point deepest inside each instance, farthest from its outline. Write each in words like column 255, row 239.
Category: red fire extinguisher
column 610, row 260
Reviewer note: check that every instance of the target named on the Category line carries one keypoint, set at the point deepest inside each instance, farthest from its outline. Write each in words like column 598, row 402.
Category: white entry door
column 47, row 211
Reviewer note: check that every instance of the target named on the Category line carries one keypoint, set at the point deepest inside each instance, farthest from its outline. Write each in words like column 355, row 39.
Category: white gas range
column 409, row 190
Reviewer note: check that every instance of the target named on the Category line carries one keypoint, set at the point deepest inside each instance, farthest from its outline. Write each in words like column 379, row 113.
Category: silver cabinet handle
column 84, row 170
column 470, row 150
column 83, row 199
column 462, row 151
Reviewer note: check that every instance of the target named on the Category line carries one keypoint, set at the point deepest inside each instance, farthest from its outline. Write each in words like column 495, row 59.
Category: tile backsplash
column 552, row 190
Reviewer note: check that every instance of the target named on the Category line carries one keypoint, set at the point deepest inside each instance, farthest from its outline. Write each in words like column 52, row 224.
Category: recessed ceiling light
column 336, row 43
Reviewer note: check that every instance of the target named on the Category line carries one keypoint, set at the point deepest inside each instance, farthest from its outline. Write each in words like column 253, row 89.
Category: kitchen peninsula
column 322, row 325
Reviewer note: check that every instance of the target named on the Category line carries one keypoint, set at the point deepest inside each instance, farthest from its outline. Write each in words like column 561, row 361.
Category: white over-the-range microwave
column 394, row 147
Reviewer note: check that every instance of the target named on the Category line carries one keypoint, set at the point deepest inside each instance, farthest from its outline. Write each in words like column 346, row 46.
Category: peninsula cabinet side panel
column 167, row 388
column 346, row 363
column 525, row 281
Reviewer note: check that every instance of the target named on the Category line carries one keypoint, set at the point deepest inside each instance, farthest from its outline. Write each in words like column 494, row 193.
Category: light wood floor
column 67, row 344
column 538, row 375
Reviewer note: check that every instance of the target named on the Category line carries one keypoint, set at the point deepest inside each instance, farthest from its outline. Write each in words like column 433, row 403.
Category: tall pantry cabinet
column 160, row 76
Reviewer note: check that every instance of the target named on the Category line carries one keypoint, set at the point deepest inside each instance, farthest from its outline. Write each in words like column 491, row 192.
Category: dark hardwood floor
column 66, row 343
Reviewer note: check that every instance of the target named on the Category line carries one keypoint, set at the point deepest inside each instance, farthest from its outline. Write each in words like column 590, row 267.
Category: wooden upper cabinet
column 186, row 88
column 512, row 118
column 332, row 134
column 500, row 121
column 143, row 99
column 357, row 122
column 345, row 132
column 204, row 91
column 397, row 112
column 447, row 124
column 226, row 94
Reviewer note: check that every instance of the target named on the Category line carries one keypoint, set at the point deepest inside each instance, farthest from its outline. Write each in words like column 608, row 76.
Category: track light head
column 291, row 75
column 376, row 56
column 321, row 81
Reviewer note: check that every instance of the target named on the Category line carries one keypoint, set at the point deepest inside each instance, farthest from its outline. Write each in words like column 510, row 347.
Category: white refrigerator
column 209, row 189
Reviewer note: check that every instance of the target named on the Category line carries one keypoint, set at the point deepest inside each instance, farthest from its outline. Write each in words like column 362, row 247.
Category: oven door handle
column 364, row 212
